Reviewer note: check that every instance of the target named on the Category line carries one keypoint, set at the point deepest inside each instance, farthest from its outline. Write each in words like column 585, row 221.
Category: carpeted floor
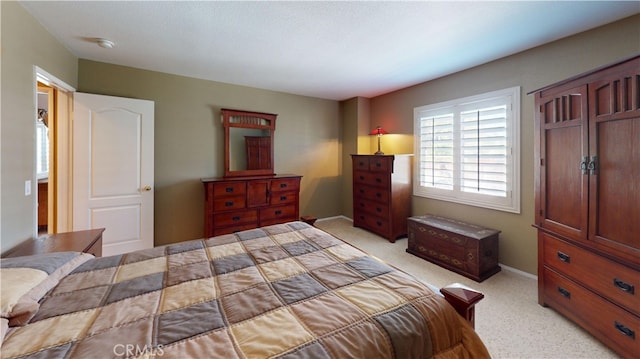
column 509, row 319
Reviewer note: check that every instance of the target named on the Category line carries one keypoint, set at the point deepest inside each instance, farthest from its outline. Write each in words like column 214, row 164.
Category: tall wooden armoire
column 588, row 201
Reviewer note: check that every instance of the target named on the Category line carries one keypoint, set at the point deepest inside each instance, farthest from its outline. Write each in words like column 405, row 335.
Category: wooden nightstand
column 89, row 241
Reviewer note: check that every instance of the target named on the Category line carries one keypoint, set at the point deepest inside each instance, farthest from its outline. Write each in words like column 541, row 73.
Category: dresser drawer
column 377, row 224
column 372, row 207
column 610, row 323
column 277, row 214
column 378, row 179
column 229, row 203
column 224, row 189
column 612, row 280
column 285, row 184
column 381, row 164
column 284, row 197
column 361, row 163
column 226, row 219
column 373, row 163
column 371, row 193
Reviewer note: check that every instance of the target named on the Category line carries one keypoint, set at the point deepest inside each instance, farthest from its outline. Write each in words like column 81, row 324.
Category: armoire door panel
column 615, row 185
column 563, row 207
column 564, row 178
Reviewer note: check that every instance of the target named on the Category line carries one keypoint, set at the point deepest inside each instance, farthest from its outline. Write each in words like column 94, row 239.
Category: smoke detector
column 106, row 44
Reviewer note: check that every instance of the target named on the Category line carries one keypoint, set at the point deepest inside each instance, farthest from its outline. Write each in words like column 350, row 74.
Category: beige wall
column 25, row 44
column 531, row 70
column 355, row 138
column 189, row 140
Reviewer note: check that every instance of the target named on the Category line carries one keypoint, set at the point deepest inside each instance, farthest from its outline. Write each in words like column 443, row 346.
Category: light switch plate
column 27, row 188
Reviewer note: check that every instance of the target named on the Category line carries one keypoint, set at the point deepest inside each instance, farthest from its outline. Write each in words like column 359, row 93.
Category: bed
column 283, row 291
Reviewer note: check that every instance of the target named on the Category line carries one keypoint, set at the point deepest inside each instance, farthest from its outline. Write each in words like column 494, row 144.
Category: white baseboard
column 518, row 271
column 505, row 267
column 335, row 217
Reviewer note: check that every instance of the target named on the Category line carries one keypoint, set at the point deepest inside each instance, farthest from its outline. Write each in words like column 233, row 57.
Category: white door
column 113, row 170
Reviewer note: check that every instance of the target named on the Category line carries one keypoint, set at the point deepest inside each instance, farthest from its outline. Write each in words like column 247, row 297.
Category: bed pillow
column 25, row 280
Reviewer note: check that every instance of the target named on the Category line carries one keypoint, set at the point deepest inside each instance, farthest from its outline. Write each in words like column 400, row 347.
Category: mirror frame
column 247, row 119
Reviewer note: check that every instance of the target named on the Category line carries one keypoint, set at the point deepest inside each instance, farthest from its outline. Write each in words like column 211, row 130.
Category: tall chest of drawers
column 240, row 203
column 588, row 200
column 382, row 194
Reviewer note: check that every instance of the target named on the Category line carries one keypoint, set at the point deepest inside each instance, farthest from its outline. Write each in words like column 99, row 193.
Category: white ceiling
column 327, row 49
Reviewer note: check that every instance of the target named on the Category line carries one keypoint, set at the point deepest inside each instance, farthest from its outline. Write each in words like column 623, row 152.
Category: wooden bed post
column 463, row 299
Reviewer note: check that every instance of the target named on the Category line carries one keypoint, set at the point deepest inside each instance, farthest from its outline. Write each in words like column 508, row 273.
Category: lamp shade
column 378, row 131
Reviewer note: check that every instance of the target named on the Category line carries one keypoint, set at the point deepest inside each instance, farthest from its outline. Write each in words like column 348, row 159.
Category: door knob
column 147, row 188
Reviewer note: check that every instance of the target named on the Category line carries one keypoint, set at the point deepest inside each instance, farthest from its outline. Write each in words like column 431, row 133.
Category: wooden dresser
column 382, row 194
column 238, row 203
column 588, row 202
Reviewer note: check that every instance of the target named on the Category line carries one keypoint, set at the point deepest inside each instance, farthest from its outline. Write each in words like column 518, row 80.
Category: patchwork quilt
column 283, row 291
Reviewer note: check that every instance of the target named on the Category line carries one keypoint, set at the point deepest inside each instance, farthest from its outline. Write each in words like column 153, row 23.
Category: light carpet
column 509, row 319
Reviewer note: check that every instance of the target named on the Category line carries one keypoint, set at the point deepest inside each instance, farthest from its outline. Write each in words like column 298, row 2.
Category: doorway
column 52, row 200
column 45, row 159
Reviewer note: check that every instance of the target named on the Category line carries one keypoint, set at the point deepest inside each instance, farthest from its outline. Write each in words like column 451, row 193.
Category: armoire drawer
column 607, row 321
column 612, row 280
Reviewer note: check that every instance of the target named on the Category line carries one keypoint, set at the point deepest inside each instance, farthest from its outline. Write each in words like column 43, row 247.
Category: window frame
column 510, row 203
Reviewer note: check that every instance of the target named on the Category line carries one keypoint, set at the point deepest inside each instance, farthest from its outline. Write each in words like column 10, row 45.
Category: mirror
column 248, row 140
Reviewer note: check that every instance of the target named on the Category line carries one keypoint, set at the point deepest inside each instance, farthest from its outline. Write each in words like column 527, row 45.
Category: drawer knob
column 624, row 330
column 378, row 180
column 229, row 189
column 283, row 198
column 236, row 218
column 564, row 257
column 564, row 292
column 361, row 177
column 625, row 287
column 228, row 204
column 278, row 212
column 283, row 185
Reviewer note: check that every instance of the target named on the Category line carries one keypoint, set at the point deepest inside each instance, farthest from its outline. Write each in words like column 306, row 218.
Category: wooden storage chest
column 461, row 247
